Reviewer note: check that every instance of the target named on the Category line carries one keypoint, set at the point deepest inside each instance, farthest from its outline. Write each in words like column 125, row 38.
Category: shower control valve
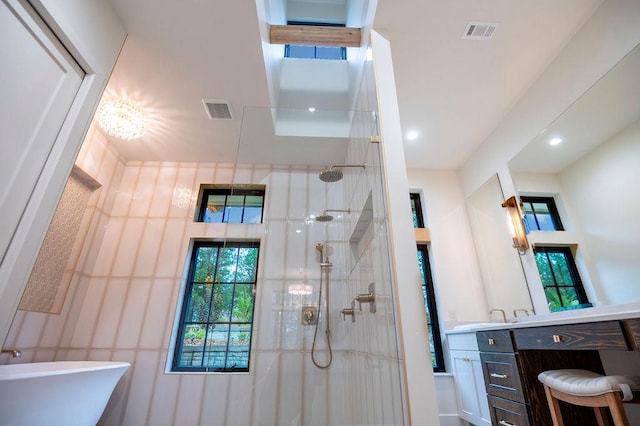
column 309, row 315
column 349, row 311
column 369, row 298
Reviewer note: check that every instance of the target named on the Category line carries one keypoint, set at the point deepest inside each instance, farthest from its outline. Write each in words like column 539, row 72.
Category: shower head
column 333, row 175
column 325, row 217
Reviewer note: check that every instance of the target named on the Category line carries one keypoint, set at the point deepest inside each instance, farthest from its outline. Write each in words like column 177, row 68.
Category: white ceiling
column 453, row 92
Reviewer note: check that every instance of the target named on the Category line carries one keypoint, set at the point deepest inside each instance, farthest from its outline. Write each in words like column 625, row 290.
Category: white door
column 38, row 82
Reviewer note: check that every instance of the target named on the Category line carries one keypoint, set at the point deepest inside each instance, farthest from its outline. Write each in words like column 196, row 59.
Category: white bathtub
column 57, row 393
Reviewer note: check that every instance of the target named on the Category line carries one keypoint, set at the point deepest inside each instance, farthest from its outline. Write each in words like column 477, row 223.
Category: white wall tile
column 126, row 191
column 143, row 374
column 216, row 388
column 163, row 192
column 290, row 388
column 185, row 193
column 133, row 313
column 147, row 257
column 109, row 247
column 164, row 399
column 110, row 313
column 159, row 314
column 128, row 246
column 188, row 407
column 172, row 253
column 265, row 398
column 144, row 190
column 278, row 196
column 224, row 173
column 87, row 318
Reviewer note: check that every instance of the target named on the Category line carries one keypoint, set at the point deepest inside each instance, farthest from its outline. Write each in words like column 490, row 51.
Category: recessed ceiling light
column 412, row 135
column 311, row 109
column 555, row 141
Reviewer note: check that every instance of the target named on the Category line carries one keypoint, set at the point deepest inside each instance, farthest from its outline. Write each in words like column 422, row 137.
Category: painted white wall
column 600, row 191
column 459, row 290
column 606, row 38
column 92, row 33
column 413, row 338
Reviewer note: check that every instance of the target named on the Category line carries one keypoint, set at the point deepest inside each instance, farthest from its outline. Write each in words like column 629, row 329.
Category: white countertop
column 599, row 313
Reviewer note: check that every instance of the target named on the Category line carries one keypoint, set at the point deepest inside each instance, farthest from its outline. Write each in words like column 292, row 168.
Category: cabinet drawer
column 507, row 413
column 587, row 336
column 501, row 376
column 494, row 341
column 634, row 331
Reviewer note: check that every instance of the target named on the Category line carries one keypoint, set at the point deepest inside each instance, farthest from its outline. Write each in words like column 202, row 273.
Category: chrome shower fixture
column 333, row 175
column 325, row 217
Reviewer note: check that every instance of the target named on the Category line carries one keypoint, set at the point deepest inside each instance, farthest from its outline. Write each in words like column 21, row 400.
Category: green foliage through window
column 216, row 323
column 428, row 293
column 416, row 210
column 559, row 275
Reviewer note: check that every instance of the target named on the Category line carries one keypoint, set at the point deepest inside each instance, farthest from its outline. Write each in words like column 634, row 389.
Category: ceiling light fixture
column 412, row 135
column 300, row 289
column 555, row 141
column 121, row 118
column 312, row 109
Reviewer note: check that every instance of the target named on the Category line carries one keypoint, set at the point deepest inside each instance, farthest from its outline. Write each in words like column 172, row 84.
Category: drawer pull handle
column 492, row 341
column 557, row 338
column 465, row 359
column 499, row 376
column 506, row 423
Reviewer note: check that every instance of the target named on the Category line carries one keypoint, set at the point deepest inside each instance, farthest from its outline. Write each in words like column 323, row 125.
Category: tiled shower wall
column 126, row 290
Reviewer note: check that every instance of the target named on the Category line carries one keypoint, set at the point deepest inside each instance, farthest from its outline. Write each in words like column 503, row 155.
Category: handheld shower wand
column 325, row 265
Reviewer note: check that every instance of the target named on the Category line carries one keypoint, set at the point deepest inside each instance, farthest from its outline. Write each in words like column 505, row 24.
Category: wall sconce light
column 515, row 224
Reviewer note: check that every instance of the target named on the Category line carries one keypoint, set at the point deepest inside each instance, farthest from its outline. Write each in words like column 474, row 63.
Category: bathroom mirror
column 593, row 175
column 502, row 274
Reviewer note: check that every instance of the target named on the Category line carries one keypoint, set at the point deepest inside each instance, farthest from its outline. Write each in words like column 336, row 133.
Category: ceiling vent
column 479, row 31
column 218, row 110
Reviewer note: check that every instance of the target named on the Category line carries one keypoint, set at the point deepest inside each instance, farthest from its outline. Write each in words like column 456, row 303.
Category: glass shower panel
column 307, row 365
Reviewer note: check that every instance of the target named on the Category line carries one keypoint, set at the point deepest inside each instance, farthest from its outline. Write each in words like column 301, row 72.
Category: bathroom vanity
column 513, row 354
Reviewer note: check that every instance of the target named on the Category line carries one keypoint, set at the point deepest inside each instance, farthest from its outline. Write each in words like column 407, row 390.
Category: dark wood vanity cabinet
column 512, row 359
column 502, row 378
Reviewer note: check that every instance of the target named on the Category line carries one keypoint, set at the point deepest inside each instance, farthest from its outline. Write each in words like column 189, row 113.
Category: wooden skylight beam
column 311, row 35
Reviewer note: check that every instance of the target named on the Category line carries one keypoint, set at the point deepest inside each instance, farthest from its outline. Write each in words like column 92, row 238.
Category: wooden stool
column 588, row 389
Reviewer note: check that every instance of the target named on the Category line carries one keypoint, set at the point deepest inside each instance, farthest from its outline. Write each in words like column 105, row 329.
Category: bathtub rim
column 28, row 370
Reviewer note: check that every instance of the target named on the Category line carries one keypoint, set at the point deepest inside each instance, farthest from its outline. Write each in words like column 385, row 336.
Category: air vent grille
column 479, row 31
column 218, row 110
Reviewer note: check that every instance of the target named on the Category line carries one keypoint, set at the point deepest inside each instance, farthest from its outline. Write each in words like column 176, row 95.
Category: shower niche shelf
column 365, row 218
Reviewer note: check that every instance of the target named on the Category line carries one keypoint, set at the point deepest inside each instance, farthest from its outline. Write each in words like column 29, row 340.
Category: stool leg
column 554, row 407
column 601, row 416
column 617, row 409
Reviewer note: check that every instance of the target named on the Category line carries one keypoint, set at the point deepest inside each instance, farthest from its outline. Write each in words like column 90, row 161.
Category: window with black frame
column 231, row 203
column 216, row 321
column 428, row 294
column 416, row 210
column 560, row 279
column 541, row 214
